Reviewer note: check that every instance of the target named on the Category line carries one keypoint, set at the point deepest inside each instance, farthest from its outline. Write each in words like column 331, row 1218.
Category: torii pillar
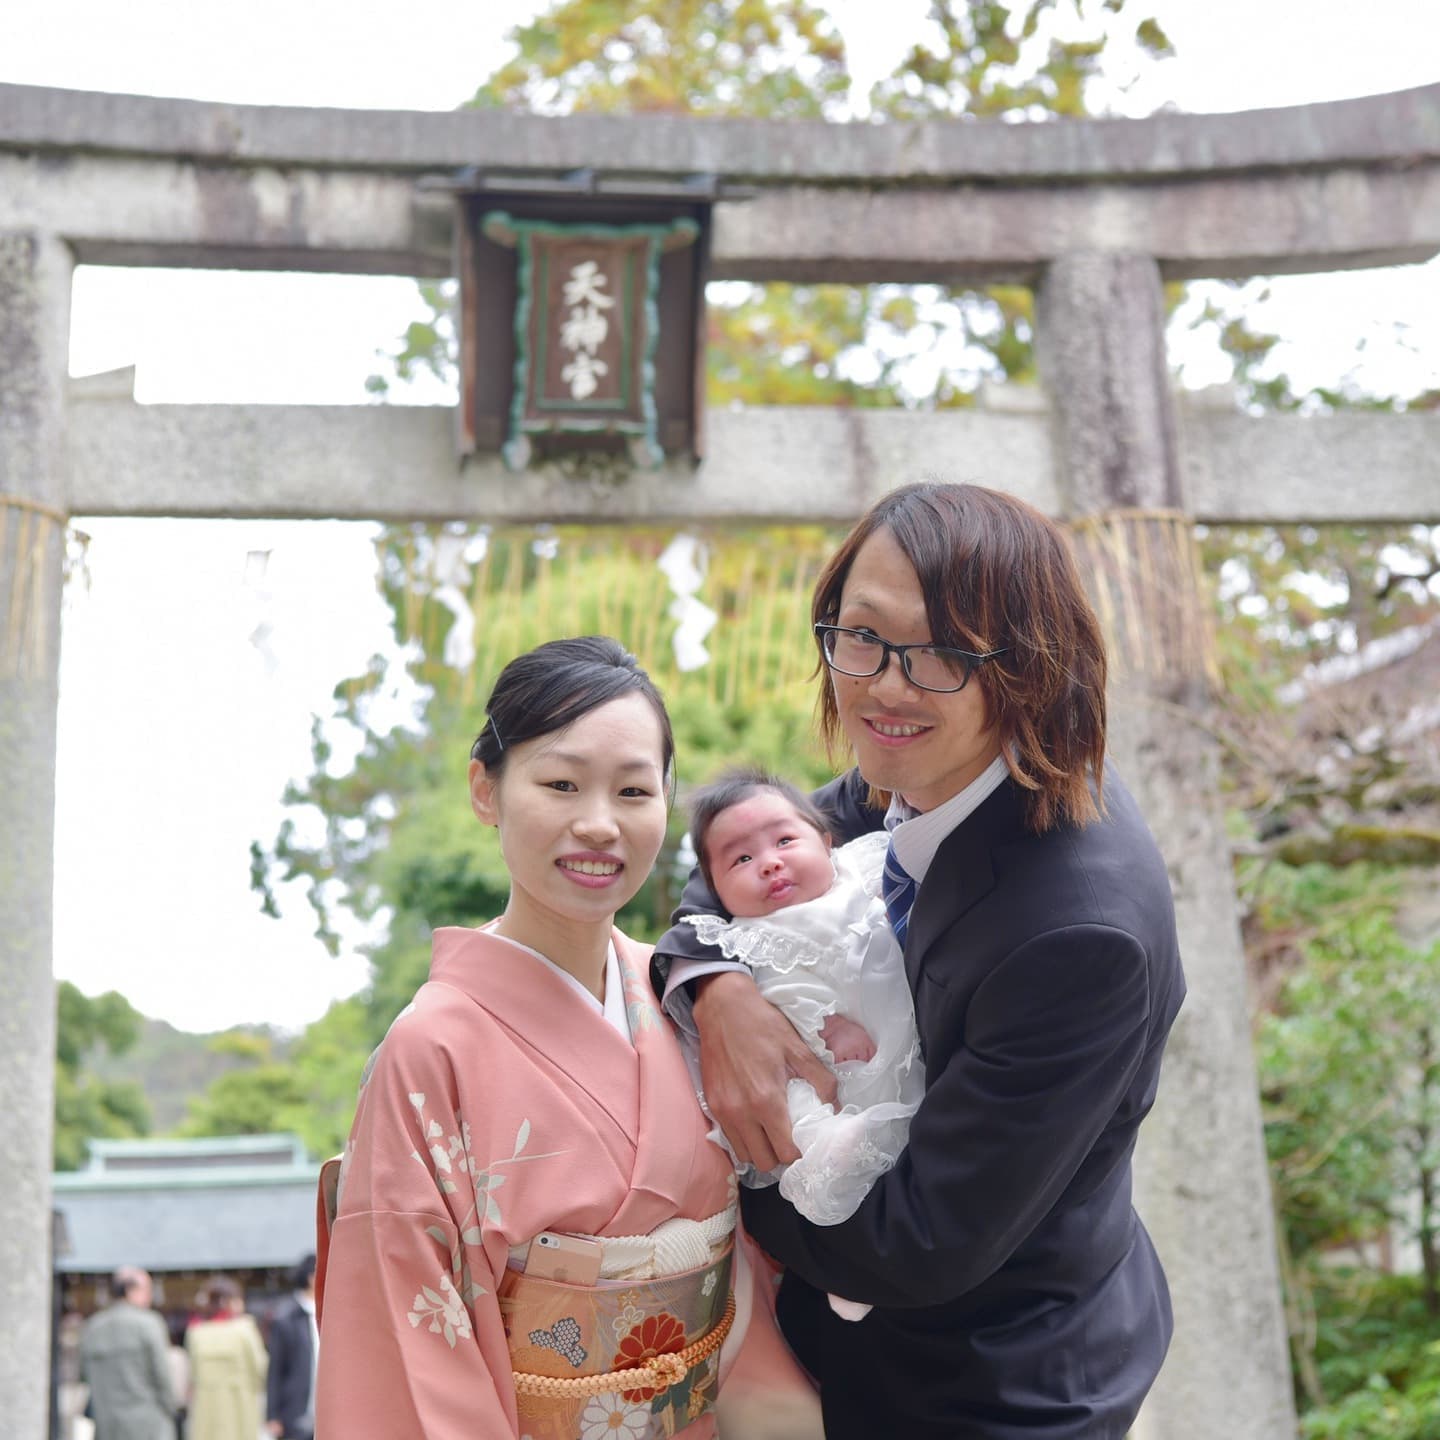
column 1202, row 1186
column 35, row 271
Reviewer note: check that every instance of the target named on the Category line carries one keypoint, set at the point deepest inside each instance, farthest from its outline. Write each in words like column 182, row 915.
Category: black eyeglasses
column 928, row 667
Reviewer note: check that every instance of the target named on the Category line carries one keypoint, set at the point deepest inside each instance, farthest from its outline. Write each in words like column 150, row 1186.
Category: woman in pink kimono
column 533, row 1236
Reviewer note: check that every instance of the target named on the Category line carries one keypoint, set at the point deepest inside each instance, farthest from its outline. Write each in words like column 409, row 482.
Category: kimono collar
column 636, row 1085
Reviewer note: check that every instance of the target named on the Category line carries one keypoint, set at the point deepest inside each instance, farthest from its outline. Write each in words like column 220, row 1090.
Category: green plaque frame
column 613, row 395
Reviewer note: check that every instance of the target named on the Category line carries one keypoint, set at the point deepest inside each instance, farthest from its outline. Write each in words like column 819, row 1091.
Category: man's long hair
column 997, row 574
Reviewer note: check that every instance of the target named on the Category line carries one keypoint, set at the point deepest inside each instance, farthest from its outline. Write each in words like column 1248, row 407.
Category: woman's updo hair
column 221, row 1295
column 552, row 686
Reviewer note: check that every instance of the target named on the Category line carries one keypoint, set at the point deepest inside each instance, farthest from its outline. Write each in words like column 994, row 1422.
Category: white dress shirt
column 918, row 834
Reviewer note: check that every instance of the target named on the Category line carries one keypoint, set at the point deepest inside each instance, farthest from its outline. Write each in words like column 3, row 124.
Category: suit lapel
column 961, row 874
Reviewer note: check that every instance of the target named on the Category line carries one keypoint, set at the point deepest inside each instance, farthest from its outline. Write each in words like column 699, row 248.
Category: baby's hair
column 730, row 788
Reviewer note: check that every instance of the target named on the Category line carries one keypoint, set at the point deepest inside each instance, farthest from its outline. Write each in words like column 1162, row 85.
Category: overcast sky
column 178, row 731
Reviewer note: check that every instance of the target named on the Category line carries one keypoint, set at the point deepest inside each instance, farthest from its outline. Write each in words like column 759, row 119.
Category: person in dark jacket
column 294, row 1353
column 1015, row 1293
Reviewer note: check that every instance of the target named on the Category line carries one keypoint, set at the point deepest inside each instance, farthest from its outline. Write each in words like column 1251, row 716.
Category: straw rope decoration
column 660, row 1372
column 26, row 637
column 760, row 670
column 478, row 600
column 651, row 604
column 745, row 595
column 1143, row 572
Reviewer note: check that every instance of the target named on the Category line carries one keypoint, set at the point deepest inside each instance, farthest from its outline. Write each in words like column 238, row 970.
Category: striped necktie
column 897, row 888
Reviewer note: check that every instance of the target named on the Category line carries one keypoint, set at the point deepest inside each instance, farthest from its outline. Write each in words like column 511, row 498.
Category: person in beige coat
column 227, row 1368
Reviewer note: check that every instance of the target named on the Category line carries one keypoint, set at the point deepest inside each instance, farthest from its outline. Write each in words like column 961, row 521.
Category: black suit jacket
column 1016, row 1292
column 291, row 1366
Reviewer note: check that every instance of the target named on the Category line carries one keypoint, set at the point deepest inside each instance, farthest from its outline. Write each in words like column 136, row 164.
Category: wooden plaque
column 581, row 334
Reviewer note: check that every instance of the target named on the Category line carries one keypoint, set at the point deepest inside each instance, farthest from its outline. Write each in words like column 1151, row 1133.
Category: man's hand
column 275, row 1428
column 748, row 1052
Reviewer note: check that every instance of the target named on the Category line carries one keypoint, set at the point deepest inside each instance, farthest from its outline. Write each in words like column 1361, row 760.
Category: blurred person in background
column 227, row 1368
column 294, row 1354
column 179, row 1368
column 124, row 1358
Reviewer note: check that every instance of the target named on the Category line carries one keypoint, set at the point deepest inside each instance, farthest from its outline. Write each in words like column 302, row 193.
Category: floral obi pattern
column 569, row 1331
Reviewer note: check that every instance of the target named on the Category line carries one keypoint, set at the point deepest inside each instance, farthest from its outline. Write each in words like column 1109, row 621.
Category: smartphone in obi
column 567, row 1258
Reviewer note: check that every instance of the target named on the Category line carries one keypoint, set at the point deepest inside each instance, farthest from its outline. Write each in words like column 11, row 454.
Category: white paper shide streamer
column 683, row 565
column 260, row 596
column 452, row 573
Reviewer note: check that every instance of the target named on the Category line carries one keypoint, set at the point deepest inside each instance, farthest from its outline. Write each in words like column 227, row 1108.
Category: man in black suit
column 1015, row 1292
column 294, row 1349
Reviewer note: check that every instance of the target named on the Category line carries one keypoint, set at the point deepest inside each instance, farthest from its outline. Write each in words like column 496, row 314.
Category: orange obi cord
column 634, row 1358
column 659, row 1373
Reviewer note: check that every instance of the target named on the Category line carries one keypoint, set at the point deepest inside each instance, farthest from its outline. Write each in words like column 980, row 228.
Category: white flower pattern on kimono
column 447, row 1154
column 626, row 1321
column 444, row 1310
column 612, row 1417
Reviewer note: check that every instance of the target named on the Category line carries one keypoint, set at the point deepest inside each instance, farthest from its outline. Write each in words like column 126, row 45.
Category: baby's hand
column 846, row 1040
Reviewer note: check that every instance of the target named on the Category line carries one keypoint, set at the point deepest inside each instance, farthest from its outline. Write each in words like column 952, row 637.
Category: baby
column 810, row 924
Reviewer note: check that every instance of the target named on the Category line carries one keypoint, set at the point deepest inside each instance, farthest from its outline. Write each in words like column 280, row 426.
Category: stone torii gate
column 1095, row 214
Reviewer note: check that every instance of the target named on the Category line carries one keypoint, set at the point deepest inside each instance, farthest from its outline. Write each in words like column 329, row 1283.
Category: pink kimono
column 500, row 1105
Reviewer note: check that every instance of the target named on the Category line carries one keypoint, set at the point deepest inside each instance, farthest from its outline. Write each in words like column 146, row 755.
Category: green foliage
column 245, row 1102
column 1344, row 1040
column 1293, row 595
column 793, row 344
column 1350, row 1092
column 83, row 1022
column 991, row 60
column 1332, row 1055
column 1331, row 773
column 1153, row 39
column 87, row 1107
column 1225, row 316
column 307, row 1088
column 927, row 346
column 1378, row 1355
column 428, row 346
column 782, row 58
column 169, row 1066
column 329, row 1058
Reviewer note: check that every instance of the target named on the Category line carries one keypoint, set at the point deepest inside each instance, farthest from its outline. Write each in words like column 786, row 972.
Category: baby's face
column 764, row 856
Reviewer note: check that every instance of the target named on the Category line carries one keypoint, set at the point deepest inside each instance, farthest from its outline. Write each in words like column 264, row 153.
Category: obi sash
column 561, row 1333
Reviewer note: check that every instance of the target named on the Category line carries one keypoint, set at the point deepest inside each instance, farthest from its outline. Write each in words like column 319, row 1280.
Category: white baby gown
column 836, row 955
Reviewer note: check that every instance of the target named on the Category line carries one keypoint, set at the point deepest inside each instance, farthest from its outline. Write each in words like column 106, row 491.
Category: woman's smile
column 591, row 870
